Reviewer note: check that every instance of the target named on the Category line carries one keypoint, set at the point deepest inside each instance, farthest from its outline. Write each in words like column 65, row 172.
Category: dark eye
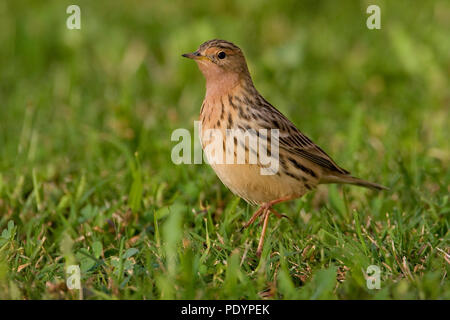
column 221, row 55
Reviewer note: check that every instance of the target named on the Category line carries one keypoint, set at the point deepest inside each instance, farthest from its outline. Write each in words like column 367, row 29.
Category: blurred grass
column 85, row 171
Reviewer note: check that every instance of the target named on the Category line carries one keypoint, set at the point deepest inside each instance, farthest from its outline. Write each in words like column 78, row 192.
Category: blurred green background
column 86, row 177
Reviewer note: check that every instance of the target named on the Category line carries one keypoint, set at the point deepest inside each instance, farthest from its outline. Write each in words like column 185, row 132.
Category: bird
column 232, row 102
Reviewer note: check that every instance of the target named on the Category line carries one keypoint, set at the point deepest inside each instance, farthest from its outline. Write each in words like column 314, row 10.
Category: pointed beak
column 194, row 55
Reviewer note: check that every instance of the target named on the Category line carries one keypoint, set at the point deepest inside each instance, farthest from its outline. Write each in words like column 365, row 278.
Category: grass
column 85, row 172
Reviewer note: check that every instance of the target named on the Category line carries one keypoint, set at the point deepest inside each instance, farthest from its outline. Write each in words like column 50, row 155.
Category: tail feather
column 348, row 179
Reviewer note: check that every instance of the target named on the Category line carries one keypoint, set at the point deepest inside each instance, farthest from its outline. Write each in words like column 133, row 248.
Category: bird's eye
column 221, row 55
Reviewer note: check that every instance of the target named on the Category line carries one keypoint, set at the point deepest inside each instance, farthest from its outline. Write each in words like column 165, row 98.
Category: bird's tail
column 348, row 179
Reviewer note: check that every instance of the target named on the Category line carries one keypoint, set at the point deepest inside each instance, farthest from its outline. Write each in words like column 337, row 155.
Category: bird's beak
column 194, row 55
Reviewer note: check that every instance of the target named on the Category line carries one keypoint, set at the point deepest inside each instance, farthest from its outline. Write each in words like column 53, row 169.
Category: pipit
column 232, row 102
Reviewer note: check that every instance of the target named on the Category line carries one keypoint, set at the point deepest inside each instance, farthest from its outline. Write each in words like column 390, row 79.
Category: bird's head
column 220, row 61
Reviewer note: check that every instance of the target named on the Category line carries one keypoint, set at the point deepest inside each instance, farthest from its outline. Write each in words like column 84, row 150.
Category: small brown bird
column 232, row 102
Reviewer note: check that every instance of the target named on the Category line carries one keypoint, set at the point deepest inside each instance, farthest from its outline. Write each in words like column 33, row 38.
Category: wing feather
column 294, row 141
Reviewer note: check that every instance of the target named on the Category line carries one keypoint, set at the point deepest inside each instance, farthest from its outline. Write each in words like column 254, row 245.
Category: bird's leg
column 264, row 211
column 263, row 232
column 267, row 205
column 271, row 203
column 254, row 216
column 276, row 213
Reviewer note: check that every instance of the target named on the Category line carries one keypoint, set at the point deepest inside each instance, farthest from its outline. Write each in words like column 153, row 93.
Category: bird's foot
column 264, row 211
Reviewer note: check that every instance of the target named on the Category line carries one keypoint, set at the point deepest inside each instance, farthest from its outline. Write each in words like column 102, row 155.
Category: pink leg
column 263, row 233
column 264, row 211
column 254, row 217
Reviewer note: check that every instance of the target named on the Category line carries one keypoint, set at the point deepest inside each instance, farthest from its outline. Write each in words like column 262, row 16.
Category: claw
column 279, row 215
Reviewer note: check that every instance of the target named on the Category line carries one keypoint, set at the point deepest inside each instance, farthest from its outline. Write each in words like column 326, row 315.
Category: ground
column 86, row 176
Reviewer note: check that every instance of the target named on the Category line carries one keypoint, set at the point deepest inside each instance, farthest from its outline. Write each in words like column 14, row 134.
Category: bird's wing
column 294, row 141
